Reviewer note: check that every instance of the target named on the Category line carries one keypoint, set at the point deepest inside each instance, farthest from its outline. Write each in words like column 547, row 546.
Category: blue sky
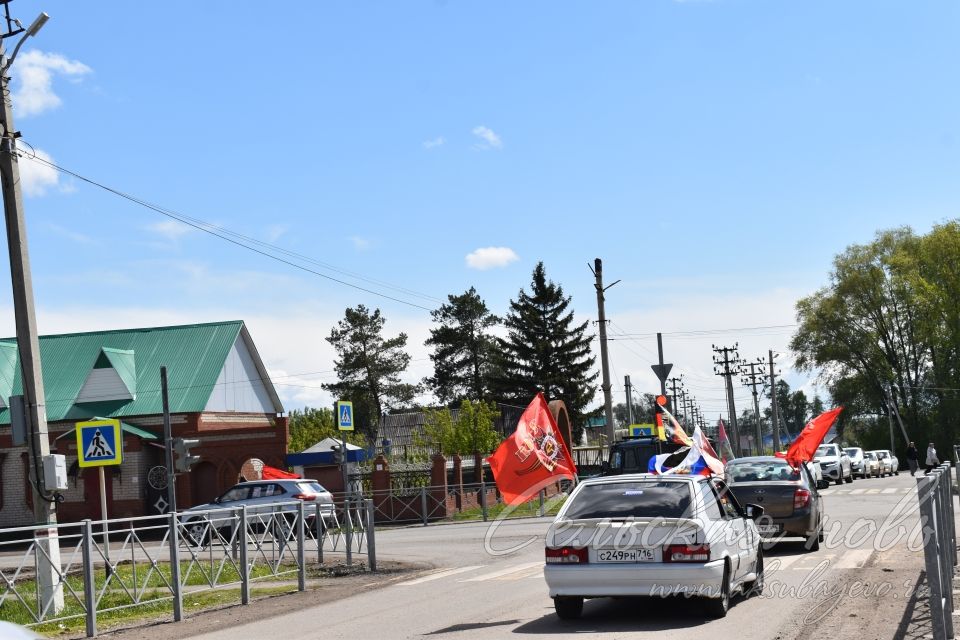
column 716, row 155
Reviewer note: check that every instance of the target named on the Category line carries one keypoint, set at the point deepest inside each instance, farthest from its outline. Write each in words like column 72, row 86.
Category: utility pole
column 775, row 410
column 675, row 399
column 597, row 270
column 168, row 443
column 28, row 342
column 722, row 368
column 629, row 390
column 753, row 379
column 683, row 405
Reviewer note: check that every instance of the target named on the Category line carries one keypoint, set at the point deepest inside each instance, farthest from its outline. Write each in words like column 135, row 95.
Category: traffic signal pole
column 168, row 439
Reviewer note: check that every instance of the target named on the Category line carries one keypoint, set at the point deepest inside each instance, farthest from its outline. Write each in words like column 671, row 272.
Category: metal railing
column 935, row 494
column 111, row 565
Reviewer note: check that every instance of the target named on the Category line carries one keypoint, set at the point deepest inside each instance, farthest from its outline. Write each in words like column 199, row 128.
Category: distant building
column 219, row 393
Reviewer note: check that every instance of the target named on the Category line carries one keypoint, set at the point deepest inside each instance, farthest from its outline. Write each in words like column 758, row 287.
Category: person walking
column 913, row 459
column 932, row 459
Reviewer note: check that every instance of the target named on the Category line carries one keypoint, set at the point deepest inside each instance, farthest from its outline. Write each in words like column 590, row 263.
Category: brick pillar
column 438, row 488
column 380, row 481
column 458, row 480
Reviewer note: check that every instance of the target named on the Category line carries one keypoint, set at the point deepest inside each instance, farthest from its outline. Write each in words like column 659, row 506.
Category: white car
column 886, row 462
column 858, row 463
column 834, row 462
column 653, row 535
column 817, row 473
column 872, row 463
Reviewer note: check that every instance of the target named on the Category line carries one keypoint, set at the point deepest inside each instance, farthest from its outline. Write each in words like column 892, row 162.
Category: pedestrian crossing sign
column 99, row 443
column 344, row 411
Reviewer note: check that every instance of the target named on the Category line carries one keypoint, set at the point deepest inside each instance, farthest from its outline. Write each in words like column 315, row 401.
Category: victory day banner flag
column 806, row 444
column 723, row 441
column 533, row 457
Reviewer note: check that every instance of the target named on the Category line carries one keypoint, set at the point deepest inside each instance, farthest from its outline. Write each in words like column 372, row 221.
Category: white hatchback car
column 653, row 535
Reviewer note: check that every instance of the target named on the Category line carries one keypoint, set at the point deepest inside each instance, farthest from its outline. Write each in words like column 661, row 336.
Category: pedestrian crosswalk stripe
column 443, row 573
column 532, row 572
column 782, row 562
column 873, row 491
column 504, row 572
column 890, row 490
column 856, row 491
column 854, row 559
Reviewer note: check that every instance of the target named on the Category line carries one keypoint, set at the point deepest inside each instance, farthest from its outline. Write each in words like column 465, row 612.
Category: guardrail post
column 244, row 562
column 89, row 584
column 321, row 527
column 926, row 494
column 348, row 523
column 174, row 525
column 423, row 504
column 371, row 537
column 301, row 552
column 483, row 498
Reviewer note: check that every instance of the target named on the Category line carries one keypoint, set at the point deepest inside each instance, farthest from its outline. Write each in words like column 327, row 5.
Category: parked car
column 688, row 536
column 834, row 462
column 817, row 473
column 790, row 498
column 858, row 464
column 872, row 463
column 889, row 462
column 204, row 521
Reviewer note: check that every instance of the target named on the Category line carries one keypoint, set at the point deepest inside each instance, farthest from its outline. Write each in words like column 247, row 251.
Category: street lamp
column 28, row 343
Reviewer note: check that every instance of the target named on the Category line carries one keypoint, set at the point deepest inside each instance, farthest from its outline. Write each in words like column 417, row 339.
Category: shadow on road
column 605, row 615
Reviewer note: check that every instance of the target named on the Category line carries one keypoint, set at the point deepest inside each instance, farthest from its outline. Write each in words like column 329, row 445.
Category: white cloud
column 36, row 178
column 491, row 258
column 275, row 231
column 488, row 139
column 171, row 230
column 34, row 71
column 439, row 141
column 360, row 243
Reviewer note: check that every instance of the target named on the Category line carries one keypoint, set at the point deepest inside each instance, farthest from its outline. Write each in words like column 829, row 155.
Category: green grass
column 525, row 510
column 150, row 587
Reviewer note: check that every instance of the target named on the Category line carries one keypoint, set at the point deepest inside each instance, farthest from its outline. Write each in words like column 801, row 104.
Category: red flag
column 723, row 441
column 806, row 444
column 533, row 457
column 272, row 473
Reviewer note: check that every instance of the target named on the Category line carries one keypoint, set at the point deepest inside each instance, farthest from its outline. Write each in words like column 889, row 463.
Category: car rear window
column 310, row 487
column 636, row 499
column 761, row 471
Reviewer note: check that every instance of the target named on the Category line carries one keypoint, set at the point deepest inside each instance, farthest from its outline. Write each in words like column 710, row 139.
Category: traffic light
column 181, row 452
column 337, row 454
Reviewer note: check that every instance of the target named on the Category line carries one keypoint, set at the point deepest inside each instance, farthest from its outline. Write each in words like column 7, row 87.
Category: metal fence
column 111, row 565
column 935, row 493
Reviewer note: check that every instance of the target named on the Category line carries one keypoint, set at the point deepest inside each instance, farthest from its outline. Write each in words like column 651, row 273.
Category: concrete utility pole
column 675, row 399
column 722, row 368
column 28, row 342
column 775, row 414
column 597, row 270
column 752, row 379
column 629, row 390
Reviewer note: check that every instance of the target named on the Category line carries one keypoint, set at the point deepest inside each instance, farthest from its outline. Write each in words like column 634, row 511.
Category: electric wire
column 241, row 240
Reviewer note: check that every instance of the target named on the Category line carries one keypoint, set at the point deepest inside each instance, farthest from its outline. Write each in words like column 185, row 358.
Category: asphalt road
column 488, row 583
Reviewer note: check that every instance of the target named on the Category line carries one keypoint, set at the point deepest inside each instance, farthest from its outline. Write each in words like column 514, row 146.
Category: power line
column 240, row 240
column 708, row 332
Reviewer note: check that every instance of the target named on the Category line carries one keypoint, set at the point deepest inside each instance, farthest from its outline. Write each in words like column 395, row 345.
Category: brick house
column 219, row 393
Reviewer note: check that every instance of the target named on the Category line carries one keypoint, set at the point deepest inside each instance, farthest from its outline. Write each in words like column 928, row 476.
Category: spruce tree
column 545, row 350
column 462, row 349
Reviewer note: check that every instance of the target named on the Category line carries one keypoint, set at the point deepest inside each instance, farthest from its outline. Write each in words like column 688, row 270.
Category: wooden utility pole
column 604, row 361
column 722, row 367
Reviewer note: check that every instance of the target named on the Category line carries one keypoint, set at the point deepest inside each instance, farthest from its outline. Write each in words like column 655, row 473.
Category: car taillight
column 801, row 498
column 566, row 555
column 306, row 496
column 686, row 553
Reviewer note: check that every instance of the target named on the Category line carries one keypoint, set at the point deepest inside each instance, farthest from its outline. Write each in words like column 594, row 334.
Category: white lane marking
column 873, row 491
column 782, row 562
column 811, row 561
column 504, row 572
column 854, row 559
column 890, row 490
column 532, row 572
column 857, row 491
column 443, row 573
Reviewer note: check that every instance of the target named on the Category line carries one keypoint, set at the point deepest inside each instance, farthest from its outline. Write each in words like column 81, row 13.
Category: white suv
column 834, row 462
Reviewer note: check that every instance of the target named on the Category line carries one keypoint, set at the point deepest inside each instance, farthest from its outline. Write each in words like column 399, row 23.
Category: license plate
column 769, row 529
column 625, row 555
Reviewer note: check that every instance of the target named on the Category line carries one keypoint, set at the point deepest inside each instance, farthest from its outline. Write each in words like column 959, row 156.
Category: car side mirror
column 754, row 511
column 816, row 460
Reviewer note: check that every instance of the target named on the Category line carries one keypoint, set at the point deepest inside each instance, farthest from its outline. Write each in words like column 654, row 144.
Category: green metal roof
column 193, row 354
column 126, row 428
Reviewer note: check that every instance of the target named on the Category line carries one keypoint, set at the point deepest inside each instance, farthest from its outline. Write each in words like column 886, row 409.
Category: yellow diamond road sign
column 99, row 443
